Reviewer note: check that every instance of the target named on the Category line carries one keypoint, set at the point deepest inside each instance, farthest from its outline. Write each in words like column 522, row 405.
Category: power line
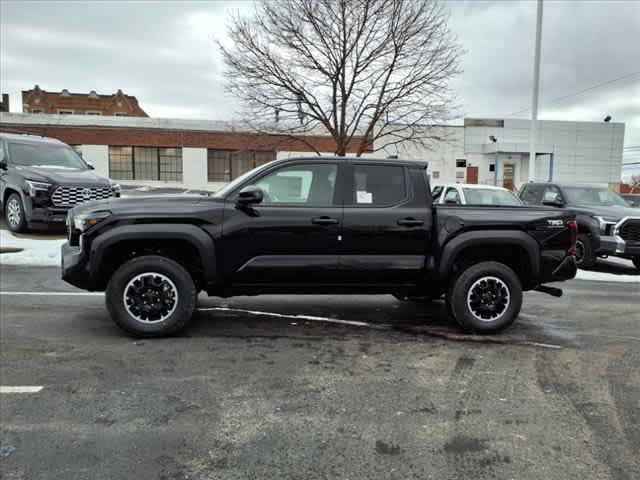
column 580, row 92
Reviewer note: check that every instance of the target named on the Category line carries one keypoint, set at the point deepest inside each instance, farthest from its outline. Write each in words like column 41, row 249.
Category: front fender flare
column 493, row 237
column 189, row 233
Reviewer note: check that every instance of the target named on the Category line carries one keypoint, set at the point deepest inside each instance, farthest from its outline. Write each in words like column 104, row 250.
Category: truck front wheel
column 151, row 296
column 486, row 297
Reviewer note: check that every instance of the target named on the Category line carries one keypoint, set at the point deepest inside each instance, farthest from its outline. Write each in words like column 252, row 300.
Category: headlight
column 84, row 221
column 33, row 187
column 604, row 224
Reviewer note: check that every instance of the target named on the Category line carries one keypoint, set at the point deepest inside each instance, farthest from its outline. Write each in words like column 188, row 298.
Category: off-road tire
column 186, row 296
column 588, row 259
column 459, row 296
column 14, row 201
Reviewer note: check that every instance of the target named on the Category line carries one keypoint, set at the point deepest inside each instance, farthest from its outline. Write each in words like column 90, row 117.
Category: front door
column 386, row 226
column 508, row 176
column 292, row 236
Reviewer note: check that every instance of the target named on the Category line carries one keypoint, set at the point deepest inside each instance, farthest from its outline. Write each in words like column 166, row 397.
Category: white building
column 578, row 152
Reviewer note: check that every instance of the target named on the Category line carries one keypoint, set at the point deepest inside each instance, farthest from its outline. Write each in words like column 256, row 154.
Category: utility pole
column 534, row 96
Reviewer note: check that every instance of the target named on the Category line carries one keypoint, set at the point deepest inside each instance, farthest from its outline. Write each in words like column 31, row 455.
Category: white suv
column 467, row 194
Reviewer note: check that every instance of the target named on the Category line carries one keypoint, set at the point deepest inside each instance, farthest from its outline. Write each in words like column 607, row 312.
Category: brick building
column 118, row 104
column 197, row 154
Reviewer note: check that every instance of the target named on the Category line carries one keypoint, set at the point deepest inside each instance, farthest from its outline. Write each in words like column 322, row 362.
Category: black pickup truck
column 315, row 225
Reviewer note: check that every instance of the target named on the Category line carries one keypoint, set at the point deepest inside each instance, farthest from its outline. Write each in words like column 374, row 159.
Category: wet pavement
column 265, row 387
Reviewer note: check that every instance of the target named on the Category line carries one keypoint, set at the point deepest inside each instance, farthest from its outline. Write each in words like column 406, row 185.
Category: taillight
column 573, row 226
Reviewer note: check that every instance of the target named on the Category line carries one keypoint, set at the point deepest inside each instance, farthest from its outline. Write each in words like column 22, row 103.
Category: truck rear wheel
column 151, row 296
column 486, row 297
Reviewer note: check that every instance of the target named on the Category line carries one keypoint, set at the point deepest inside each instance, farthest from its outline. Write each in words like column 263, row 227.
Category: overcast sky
column 164, row 54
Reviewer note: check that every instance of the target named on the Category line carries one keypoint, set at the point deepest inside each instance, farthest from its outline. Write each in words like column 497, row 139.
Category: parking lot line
column 20, row 389
column 50, row 294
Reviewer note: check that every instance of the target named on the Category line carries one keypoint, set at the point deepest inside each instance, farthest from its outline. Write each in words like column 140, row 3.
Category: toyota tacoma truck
column 316, row 226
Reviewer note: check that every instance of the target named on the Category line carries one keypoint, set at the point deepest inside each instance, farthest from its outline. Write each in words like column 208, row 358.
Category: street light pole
column 534, row 96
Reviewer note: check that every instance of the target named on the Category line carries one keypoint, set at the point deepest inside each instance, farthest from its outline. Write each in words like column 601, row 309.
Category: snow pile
column 37, row 252
column 606, row 277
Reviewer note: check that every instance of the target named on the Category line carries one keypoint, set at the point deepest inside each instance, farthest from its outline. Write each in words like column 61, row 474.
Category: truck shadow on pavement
column 342, row 317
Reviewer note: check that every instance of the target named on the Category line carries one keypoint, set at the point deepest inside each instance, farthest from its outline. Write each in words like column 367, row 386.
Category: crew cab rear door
column 387, row 223
column 292, row 236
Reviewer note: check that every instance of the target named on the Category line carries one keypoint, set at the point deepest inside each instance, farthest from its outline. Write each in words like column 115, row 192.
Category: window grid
column 121, row 163
column 170, row 164
column 225, row 165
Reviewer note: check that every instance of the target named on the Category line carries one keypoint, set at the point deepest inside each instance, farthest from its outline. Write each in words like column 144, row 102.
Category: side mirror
column 556, row 202
column 249, row 195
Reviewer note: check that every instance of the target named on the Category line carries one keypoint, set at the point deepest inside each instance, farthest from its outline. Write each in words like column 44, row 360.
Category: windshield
column 45, row 155
column 490, row 196
column 593, row 196
column 238, row 181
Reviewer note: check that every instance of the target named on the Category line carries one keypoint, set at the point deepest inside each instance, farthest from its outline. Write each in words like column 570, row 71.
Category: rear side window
column 378, row 185
column 531, row 194
column 437, row 191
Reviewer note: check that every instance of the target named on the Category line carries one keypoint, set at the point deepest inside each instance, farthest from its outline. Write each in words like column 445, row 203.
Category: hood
column 612, row 213
column 151, row 206
column 62, row 176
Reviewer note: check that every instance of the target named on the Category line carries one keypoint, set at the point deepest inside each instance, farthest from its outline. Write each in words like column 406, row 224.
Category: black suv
column 42, row 178
column 607, row 223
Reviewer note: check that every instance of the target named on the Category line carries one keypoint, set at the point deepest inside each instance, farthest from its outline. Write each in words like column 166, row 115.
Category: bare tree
column 635, row 183
column 364, row 71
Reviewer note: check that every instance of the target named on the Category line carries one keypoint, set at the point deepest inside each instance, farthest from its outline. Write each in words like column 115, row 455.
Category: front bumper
column 616, row 246
column 74, row 266
column 47, row 216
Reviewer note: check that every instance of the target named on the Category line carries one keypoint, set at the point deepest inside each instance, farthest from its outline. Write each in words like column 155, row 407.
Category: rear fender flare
column 496, row 237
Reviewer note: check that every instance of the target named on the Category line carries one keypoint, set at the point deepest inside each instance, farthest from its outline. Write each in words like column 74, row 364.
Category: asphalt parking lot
column 267, row 387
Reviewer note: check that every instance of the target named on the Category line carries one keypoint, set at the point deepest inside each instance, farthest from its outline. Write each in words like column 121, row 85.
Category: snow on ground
column 35, row 252
column 46, row 252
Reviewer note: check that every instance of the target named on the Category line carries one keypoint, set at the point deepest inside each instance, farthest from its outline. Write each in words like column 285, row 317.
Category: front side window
column 551, row 194
column 598, row 196
column 378, row 185
column 45, row 155
column 309, row 184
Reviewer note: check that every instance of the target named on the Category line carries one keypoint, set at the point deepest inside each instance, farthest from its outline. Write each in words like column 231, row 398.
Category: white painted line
column 54, row 294
column 310, row 318
column 18, row 389
column 543, row 345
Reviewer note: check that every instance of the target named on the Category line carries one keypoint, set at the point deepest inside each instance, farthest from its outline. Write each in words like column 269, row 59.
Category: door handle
column 324, row 221
column 410, row 222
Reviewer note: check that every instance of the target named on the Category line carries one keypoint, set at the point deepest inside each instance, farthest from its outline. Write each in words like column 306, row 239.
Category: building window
column 461, row 163
column 492, row 167
column 435, row 175
column 145, row 163
column 224, row 165
column 170, row 164
column 62, row 111
column 93, row 112
column 121, row 163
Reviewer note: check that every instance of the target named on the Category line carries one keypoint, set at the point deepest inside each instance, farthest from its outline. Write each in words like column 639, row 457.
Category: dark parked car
column 42, row 178
column 607, row 223
column 315, row 225
column 633, row 199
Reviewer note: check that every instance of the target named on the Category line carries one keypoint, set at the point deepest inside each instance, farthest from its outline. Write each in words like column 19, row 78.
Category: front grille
column 71, row 196
column 630, row 231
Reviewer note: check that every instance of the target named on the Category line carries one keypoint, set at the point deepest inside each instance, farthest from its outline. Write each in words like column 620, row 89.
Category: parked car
column 42, row 178
column 315, row 225
column 468, row 194
column 633, row 199
column 607, row 224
